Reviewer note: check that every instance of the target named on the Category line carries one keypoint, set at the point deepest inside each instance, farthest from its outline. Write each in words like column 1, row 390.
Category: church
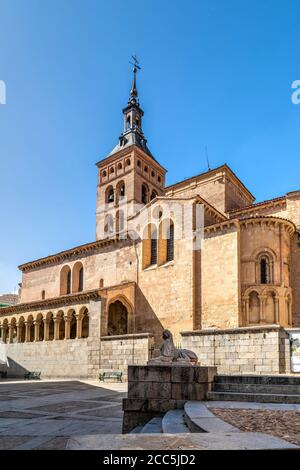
column 232, row 296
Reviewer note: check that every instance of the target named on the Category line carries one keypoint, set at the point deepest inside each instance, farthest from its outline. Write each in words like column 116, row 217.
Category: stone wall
column 220, row 286
column 67, row 359
column 60, row 358
column 252, row 350
column 117, row 352
column 155, row 389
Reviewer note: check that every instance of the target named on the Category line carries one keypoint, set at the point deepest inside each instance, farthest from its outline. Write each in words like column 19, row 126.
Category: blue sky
column 216, row 73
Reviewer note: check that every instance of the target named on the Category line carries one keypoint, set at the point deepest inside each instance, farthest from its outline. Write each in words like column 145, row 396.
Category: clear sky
column 216, row 73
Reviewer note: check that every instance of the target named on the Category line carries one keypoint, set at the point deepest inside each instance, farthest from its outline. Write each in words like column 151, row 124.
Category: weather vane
column 135, row 63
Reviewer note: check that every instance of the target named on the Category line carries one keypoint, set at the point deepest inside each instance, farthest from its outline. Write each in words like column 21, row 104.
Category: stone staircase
column 196, row 427
column 173, row 422
column 255, row 388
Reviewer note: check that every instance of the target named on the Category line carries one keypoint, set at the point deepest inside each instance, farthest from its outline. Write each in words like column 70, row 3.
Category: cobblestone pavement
column 43, row 415
column 278, row 423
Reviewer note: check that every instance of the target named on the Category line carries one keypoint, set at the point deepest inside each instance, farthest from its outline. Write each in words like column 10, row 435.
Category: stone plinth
column 156, row 389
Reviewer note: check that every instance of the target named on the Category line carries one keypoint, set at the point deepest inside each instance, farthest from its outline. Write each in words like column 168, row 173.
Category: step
column 154, row 426
column 253, row 397
column 256, row 388
column 259, row 379
column 200, row 419
column 136, row 430
column 173, row 422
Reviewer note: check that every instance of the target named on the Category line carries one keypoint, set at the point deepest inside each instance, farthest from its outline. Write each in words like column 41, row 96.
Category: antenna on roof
column 207, row 160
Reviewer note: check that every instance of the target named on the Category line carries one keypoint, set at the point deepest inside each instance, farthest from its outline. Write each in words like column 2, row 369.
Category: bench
column 33, row 375
column 3, row 374
column 111, row 375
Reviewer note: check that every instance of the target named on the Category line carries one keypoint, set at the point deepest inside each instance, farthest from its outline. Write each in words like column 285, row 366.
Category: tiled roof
column 9, row 299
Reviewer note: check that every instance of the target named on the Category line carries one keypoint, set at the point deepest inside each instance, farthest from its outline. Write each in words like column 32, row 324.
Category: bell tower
column 129, row 176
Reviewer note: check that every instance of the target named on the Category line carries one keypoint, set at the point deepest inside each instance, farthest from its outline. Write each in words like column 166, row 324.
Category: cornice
column 251, row 221
column 268, row 220
column 67, row 254
column 52, row 302
column 222, row 226
column 279, row 201
column 202, row 176
column 128, row 152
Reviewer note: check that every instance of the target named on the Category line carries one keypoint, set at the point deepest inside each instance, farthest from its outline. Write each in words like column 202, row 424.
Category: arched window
column 65, row 280
column 165, row 241
column 110, row 195
column 80, row 287
column 85, row 323
column 265, row 269
column 77, row 277
column 150, row 244
column 109, row 224
column 121, row 190
column 170, row 242
column 153, row 247
column 43, row 295
column 120, row 221
column 145, row 193
column 101, row 283
column 153, row 195
column 69, row 282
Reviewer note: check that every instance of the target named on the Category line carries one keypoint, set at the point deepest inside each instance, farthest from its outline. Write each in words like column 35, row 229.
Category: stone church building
column 103, row 305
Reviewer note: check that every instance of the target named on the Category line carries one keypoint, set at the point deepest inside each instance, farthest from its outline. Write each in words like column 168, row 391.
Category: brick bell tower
column 129, row 176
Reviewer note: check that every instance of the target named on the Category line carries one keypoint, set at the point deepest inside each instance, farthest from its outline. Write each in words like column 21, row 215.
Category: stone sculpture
column 170, row 354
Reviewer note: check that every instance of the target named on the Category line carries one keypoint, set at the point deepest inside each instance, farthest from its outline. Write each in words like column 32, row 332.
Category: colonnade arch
column 49, row 326
column 267, row 305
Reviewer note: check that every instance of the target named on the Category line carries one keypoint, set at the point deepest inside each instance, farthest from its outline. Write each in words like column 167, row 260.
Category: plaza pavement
column 45, row 414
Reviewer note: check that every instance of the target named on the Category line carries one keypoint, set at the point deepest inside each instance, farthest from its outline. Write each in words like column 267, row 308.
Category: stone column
column 78, row 326
column 276, row 305
column 67, row 327
column 19, row 331
column 262, row 299
column 27, row 326
column 36, row 330
column 11, row 332
column 56, row 328
column 46, row 329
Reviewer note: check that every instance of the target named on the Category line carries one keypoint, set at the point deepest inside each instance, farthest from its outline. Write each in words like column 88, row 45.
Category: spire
column 133, row 92
column 133, row 115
